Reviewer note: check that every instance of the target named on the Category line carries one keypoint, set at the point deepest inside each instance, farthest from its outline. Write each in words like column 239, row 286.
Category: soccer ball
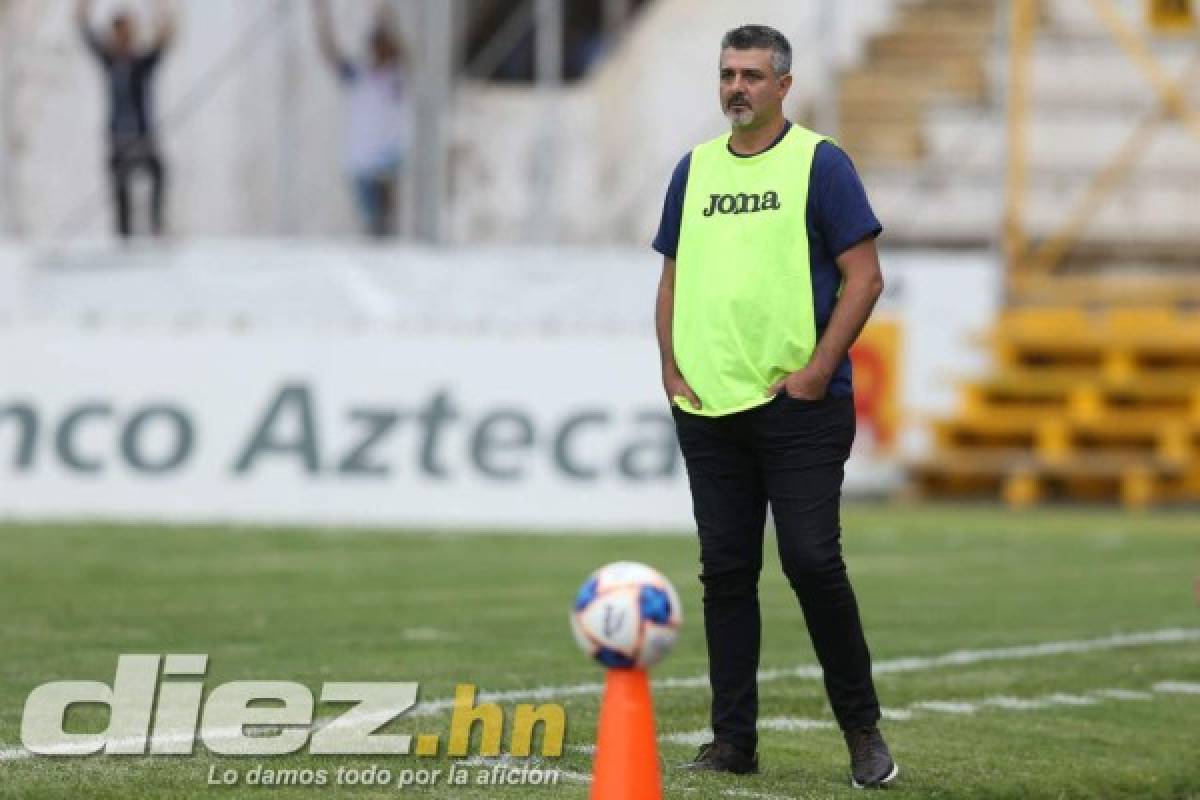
column 626, row 615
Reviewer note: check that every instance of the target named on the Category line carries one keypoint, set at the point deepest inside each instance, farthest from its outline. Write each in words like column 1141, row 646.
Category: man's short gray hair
column 762, row 37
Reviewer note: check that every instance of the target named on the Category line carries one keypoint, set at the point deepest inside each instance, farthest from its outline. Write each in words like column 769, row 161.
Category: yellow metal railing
column 1025, row 261
column 1023, row 32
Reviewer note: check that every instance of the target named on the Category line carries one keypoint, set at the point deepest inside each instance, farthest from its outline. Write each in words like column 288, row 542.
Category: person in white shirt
column 376, row 125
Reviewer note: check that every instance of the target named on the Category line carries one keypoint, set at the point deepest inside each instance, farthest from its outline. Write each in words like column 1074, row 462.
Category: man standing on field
column 770, row 272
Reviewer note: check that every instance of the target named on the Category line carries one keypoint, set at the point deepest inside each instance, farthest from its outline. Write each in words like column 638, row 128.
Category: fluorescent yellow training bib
column 743, row 315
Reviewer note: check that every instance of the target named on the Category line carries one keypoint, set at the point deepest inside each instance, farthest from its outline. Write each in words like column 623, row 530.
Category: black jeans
column 788, row 453
column 123, row 164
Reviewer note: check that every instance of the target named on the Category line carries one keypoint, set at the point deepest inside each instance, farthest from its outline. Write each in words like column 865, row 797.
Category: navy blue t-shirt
column 838, row 216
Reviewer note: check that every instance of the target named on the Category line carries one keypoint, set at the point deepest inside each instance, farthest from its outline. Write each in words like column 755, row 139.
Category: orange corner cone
column 626, row 764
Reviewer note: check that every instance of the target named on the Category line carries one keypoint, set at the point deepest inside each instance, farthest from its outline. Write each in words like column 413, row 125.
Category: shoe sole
column 891, row 776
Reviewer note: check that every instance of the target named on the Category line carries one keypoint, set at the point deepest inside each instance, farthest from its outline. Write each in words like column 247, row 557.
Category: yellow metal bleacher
column 1095, row 393
column 1082, row 407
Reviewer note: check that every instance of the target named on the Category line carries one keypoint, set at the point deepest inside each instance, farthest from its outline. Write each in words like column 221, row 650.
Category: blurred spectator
column 132, row 134
column 376, row 121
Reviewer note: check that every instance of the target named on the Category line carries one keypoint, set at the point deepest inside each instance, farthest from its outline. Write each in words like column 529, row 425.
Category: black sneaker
column 722, row 757
column 871, row 765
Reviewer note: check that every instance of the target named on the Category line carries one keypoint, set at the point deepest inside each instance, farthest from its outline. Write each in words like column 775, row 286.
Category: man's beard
column 740, row 117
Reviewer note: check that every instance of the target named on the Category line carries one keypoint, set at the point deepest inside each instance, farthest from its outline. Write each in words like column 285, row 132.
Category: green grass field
column 1002, row 720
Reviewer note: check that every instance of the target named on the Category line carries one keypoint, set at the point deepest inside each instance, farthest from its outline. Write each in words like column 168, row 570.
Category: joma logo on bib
column 742, row 203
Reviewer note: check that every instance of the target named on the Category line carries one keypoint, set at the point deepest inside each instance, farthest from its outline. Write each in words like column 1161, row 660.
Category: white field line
column 943, row 707
column 1005, row 702
column 426, row 635
column 1177, row 687
column 890, row 666
column 788, row 724
column 1060, row 698
column 689, row 738
column 735, row 793
column 1122, row 694
column 697, row 738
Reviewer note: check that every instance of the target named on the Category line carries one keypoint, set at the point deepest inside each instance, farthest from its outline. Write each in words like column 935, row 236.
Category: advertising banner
column 374, row 424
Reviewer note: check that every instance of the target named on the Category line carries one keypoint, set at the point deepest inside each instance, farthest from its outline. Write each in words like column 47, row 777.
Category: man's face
column 751, row 92
column 124, row 35
column 383, row 48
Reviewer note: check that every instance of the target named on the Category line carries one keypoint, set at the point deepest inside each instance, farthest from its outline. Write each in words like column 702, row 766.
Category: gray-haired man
column 770, row 271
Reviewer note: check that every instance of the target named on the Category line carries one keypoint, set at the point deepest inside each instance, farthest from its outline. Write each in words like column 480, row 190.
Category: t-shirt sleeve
column 843, row 213
column 667, row 240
